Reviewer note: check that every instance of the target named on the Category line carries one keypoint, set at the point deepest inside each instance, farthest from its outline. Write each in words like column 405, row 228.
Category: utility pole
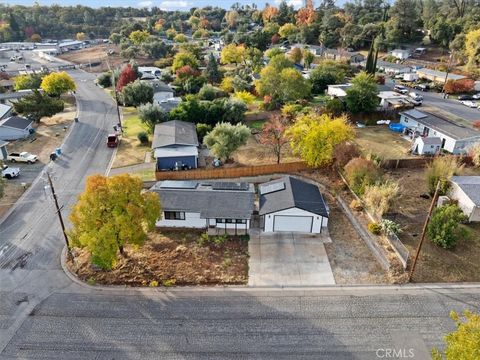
column 447, row 72
column 116, row 96
column 62, row 224
column 427, row 220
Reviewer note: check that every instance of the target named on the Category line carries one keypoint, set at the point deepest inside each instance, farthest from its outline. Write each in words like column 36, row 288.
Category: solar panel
column 172, row 184
column 267, row 189
column 233, row 186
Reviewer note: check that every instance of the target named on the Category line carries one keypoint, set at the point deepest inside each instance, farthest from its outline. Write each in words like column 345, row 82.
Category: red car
column 112, row 140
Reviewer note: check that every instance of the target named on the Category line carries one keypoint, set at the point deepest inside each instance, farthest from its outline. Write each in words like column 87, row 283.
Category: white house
column 3, row 150
column 427, row 145
column 5, row 111
column 392, row 68
column 219, row 207
column 339, row 90
column 151, row 70
column 401, row 54
column 456, row 139
column 15, row 127
column 466, row 190
column 393, row 100
column 292, row 205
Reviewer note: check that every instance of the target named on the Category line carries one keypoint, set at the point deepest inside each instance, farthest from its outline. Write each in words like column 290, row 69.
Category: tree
column 379, row 198
column 474, row 153
column 293, row 85
column 441, row 169
column 472, row 49
column 137, row 93
column 127, row 75
column 184, row 58
column 212, row 73
column 288, row 31
column 115, row 38
column 308, row 58
column 81, row 36
column 202, row 131
column 36, row 38
column 361, row 173
column 403, row 21
column 314, row 137
column 443, row 226
column 38, row 105
column 326, row 73
column 245, row 96
column 57, row 83
column 274, row 135
column 28, row 81
column 463, row 343
column 111, row 213
column 296, row 55
column 151, row 115
column 362, row 95
column 105, row 80
column 459, row 86
column 227, row 84
column 180, row 38
column 232, row 54
column 269, row 13
column 225, row 138
column 306, row 15
column 138, row 37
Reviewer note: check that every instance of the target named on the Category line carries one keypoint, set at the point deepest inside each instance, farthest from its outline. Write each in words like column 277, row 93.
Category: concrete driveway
column 288, row 259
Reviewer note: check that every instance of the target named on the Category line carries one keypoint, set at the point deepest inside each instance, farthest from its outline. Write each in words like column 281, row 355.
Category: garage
column 292, row 223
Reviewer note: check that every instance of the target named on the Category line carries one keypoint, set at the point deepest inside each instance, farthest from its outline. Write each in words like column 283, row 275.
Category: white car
column 469, row 103
column 22, row 157
column 415, row 96
column 10, row 172
column 476, row 96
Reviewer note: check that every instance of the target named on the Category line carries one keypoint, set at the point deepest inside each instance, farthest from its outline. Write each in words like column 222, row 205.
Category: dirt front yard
column 174, row 257
column 381, row 141
column 12, row 192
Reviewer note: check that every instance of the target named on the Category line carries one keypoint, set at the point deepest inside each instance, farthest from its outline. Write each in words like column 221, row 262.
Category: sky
column 163, row 4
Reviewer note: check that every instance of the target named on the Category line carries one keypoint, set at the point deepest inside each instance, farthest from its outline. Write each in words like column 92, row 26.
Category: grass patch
column 256, row 124
column 320, row 99
column 381, row 141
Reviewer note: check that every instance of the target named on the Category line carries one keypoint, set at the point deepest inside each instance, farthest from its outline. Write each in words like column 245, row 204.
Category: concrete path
column 288, row 259
column 132, row 168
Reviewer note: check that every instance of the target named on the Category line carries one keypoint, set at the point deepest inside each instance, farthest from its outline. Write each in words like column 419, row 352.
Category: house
column 150, row 70
column 220, row 207
column 7, row 84
column 161, row 91
column 3, row 150
column 401, row 54
column 393, row 100
column 15, row 127
column 466, row 190
column 338, row 91
column 343, row 55
column 169, row 104
column 175, row 145
column 392, row 68
column 314, row 49
column 427, row 145
column 292, row 205
column 456, row 138
column 437, row 76
column 5, row 111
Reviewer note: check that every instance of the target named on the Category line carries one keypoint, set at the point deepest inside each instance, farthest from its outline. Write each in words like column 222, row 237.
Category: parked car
column 415, row 96
column 22, row 157
column 476, row 96
column 414, row 102
column 112, row 140
column 465, row 97
column 10, row 172
column 470, row 104
column 421, row 87
column 400, row 89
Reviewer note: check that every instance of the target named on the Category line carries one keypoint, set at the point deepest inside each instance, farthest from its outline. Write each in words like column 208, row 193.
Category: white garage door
column 292, row 223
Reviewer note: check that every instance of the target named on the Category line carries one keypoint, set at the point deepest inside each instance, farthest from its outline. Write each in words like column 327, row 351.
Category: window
column 231, row 221
column 174, row 215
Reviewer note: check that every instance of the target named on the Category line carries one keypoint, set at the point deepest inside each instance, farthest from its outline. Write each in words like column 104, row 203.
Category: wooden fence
column 233, row 172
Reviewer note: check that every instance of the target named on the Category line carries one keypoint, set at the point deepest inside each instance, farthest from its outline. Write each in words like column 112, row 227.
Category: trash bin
column 58, row 151
column 53, row 156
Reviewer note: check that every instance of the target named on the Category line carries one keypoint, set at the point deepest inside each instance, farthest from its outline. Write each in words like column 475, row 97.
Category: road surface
column 45, row 315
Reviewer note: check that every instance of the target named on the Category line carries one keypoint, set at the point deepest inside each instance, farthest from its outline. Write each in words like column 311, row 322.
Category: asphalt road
column 45, row 315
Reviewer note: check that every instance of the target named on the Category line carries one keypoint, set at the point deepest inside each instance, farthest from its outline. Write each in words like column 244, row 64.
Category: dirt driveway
column 288, row 259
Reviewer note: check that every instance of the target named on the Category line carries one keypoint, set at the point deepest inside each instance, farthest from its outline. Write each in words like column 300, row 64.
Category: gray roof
column 470, row 185
column 386, row 64
column 3, row 143
column 174, row 132
column 296, row 193
column 431, row 140
column 157, row 85
column 16, row 122
column 440, row 74
column 444, row 126
column 202, row 198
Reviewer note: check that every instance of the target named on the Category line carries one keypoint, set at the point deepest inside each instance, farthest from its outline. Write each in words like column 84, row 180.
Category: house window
column 174, row 215
column 231, row 221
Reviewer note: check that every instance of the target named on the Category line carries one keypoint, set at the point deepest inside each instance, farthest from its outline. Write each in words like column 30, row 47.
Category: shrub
column 390, row 227
column 459, row 86
column 153, row 283
column 443, row 226
column 245, row 96
column 476, row 124
column 169, row 282
column 164, row 62
column 345, row 152
column 374, row 228
column 203, row 239
column 441, row 169
column 142, row 137
column 474, row 153
column 105, row 80
column 334, row 106
column 227, row 84
column 291, row 111
column 219, row 240
column 202, row 131
column 208, row 92
column 360, row 173
column 379, row 198
column 356, row 205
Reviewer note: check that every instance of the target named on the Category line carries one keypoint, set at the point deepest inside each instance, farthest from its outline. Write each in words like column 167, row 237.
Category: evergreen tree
column 213, row 74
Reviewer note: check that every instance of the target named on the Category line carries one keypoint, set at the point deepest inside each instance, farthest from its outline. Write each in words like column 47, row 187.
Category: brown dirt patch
column 12, row 193
column 380, row 140
column 173, row 258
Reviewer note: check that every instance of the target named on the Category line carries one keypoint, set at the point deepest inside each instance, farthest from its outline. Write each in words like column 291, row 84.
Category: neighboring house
column 70, row 45
column 3, row 150
column 314, row 49
column 292, row 205
column 427, row 145
column 5, row 111
column 437, row 76
column 219, row 206
column 343, row 55
column 393, row 100
column 150, row 70
column 466, row 190
column 456, row 139
column 9, row 96
column 15, row 127
column 169, row 104
column 401, row 54
column 339, row 90
column 161, row 91
column 7, row 84
column 175, row 145
column 392, row 68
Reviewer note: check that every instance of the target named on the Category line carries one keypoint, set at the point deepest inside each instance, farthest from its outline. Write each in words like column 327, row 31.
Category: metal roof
column 16, row 122
column 174, row 132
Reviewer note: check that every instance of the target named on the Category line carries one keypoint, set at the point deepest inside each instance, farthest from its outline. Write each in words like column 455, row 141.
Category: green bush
column 219, row 239
column 442, row 169
column 142, row 137
column 105, row 80
column 443, row 227
column 390, row 227
column 153, row 283
column 374, row 228
column 169, row 282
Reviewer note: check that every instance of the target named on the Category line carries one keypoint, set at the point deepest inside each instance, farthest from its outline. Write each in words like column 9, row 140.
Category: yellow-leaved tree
column 138, row 37
column 314, row 137
column 110, row 213
column 232, row 54
column 57, row 83
column 463, row 343
column 472, row 49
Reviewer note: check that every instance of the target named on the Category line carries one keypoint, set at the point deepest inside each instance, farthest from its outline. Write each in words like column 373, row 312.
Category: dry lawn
column 12, row 193
column 381, row 141
column 173, row 258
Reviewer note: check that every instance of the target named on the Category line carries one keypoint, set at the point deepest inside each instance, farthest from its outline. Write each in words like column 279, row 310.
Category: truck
column 410, row 77
column 22, row 157
column 112, row 140
column 10, row 172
